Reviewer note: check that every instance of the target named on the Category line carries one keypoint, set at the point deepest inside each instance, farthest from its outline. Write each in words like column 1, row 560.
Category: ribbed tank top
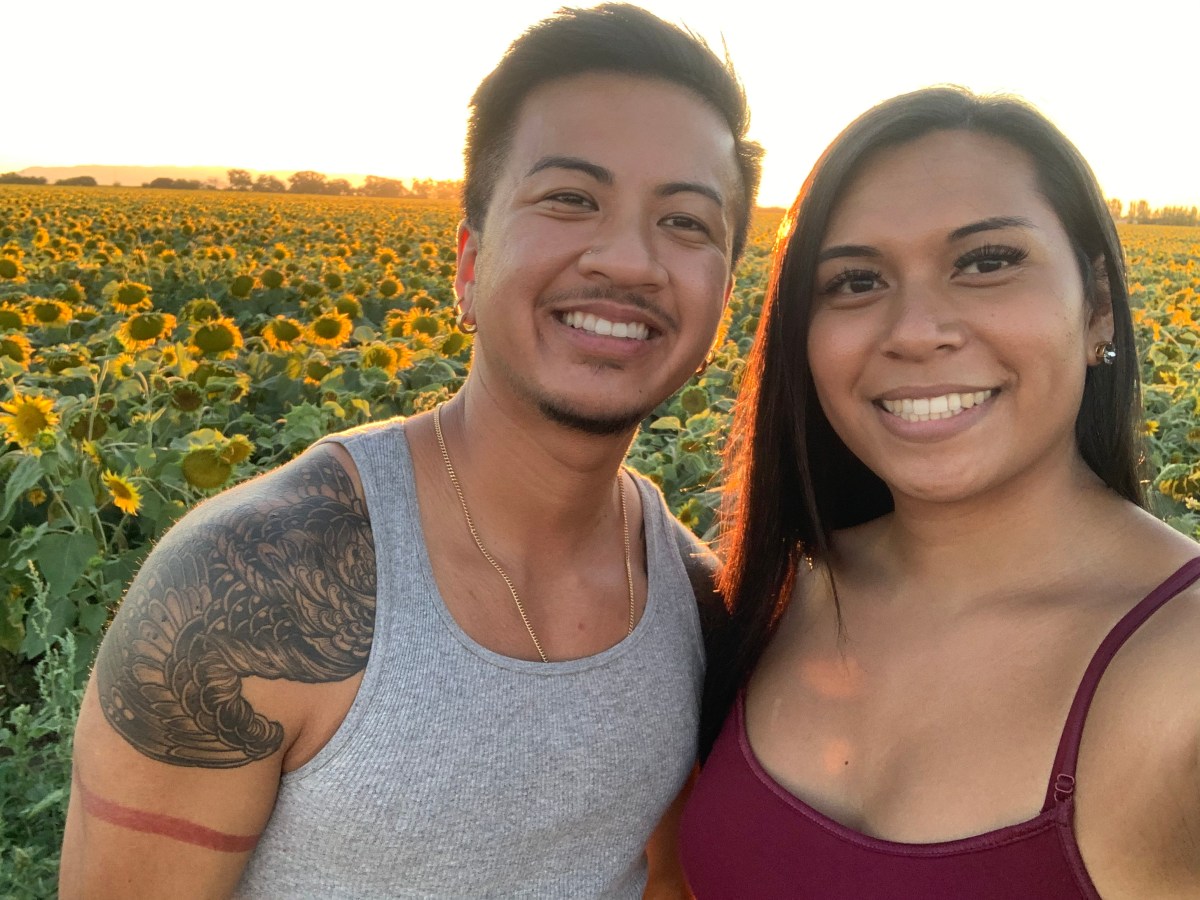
column 459, row 772
column 744, row 835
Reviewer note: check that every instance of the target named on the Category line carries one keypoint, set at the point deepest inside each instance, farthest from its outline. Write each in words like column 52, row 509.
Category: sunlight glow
column 367, row 89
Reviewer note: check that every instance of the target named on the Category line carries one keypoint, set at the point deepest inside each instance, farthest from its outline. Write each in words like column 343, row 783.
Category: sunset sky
column 361, row 87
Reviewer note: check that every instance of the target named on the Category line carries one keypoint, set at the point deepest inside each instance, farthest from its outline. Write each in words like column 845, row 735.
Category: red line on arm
column 167, row 826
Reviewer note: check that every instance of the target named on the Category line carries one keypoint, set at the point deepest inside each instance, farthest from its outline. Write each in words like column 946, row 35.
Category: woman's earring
column 708, row 361
column 461, row 323
column 1106, row 353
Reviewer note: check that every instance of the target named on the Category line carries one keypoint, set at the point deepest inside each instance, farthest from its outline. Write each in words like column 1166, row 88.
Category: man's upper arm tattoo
column 279, row 589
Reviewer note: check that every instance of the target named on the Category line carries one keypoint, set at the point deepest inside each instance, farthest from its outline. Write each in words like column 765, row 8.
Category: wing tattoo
column 283, row 588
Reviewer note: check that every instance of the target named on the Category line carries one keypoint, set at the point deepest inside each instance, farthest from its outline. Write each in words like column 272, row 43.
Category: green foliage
column 35, row 764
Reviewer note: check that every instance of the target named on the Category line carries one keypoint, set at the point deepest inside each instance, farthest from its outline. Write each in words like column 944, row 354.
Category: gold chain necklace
column 437, row 427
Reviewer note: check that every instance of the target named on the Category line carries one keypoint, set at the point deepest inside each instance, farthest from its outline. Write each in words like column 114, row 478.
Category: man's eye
column 687, row 223
column 853, row 281
column 570, row 198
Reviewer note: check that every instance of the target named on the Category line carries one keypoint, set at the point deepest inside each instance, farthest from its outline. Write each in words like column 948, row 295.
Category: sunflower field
column 159, row 346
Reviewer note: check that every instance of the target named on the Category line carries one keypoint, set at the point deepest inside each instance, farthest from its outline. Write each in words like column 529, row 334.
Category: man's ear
column 464, row 276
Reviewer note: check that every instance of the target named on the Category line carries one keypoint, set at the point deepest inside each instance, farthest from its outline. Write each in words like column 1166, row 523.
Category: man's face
column 603, row 264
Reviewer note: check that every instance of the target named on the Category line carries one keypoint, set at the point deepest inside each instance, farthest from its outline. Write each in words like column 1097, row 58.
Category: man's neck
column 546, row 482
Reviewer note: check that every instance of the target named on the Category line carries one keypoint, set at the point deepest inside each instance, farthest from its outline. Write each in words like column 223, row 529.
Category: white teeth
column 636, row 331
column 925, row 409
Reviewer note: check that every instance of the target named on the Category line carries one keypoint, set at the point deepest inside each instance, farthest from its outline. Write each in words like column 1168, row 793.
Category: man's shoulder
column 272, row 579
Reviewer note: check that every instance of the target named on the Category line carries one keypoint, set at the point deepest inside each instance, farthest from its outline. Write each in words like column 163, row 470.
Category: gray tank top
column 459, row 772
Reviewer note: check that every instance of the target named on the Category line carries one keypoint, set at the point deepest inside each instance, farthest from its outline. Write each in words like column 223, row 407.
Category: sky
column 370, row 87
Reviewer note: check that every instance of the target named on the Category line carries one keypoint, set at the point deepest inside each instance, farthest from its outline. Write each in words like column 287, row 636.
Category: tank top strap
column 1062, row 777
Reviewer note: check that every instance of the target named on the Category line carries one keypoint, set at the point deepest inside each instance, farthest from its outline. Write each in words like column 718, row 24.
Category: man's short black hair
column 612, row 37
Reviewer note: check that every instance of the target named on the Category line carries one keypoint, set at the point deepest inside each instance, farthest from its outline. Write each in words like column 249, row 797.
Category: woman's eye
column 853, row 281
column 987, row 259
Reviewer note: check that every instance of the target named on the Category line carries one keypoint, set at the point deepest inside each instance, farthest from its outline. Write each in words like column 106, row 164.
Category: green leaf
column 79, row 495
column 62, row 558
column 666, row 423
column 23, row 477
column 92, row 617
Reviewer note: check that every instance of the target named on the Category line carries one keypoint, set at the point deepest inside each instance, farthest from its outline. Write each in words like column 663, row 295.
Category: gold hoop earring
column 461, row 324
column 708, row 361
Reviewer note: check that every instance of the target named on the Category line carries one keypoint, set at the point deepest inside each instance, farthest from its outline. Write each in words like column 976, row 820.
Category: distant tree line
column 310, row 182
column 1140, row 213
column 306, row 182
column 77, row 181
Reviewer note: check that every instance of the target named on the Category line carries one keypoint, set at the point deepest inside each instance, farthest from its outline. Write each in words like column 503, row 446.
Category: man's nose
column 624, row 254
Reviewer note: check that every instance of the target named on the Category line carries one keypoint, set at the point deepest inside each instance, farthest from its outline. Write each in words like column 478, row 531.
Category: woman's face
column 950, row 334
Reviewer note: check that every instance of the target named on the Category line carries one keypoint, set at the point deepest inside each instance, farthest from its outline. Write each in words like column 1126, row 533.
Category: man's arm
column 208, row 677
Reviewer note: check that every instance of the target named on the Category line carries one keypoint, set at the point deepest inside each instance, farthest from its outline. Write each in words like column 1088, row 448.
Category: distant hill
column 133, row 176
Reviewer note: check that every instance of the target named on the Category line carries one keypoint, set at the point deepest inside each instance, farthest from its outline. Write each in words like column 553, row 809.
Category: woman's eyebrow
column 840, row 250
column 990, row 224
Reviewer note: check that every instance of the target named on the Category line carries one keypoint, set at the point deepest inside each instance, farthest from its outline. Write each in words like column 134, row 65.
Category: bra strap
column 1062, row 776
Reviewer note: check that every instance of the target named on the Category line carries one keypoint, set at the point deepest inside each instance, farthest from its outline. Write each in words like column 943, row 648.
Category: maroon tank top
column 744, row 835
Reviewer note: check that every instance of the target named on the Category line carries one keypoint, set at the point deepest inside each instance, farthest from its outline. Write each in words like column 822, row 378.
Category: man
column 457, row 655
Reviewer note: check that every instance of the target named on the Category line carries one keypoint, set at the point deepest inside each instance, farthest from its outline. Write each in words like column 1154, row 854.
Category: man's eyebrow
column 839, row 250
column 988, row 225
column 601, row 174
column 694, row 187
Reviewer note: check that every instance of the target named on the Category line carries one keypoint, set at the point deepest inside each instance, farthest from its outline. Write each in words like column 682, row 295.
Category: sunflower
column 128, row 296
column 452, row 344
column 348, row 305
column 271, row 278
column 387, row 256
column 88, row 426
column 395, row 325
column 333, row 280
column 123, row 365
column 315, row 370
column 379, row 356
column 282, row 333
column 202, row 309
column 241, row 286
column 50, row 312
column 187, row 396
column 422, row 300
column 14, row 317
column 25, row 417
column 204, row 468
column 10, row 269
column 237, row 450
column 330, row 329
column 36, row 496
column 218, row 338
column 65, row 356
column 17, row 348
column 390, row 287
column 144, row 329
column 421, row 323
column 124, row 495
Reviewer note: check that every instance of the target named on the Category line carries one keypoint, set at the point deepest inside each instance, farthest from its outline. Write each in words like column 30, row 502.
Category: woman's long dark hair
column 790, row 480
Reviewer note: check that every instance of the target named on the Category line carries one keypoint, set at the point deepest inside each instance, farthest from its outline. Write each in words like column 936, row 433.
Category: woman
column 938, row 522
